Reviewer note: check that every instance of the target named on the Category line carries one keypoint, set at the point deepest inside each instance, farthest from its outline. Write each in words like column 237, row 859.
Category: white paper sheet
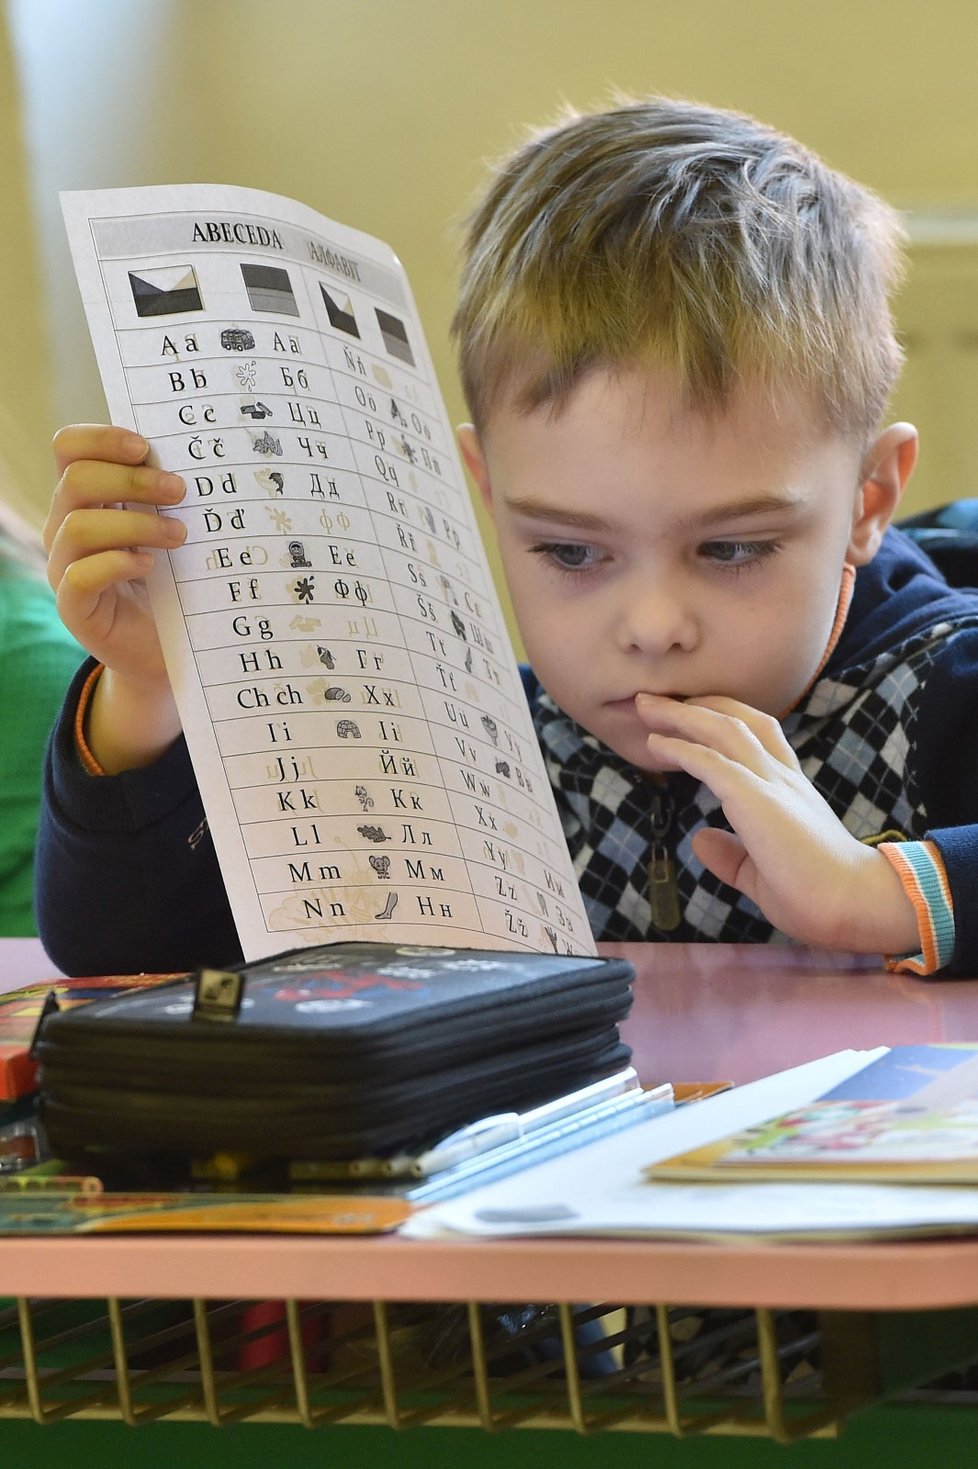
column 338, row 654
column 600, row 1189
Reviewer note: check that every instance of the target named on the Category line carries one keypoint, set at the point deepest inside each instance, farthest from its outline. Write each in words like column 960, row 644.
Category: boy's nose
column 655, row 620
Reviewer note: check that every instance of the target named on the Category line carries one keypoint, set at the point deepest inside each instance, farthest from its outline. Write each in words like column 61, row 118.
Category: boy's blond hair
column 668, row 234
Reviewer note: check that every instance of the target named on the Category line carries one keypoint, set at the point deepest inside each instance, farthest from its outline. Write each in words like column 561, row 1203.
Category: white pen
column 461, row 1149
column 507, row 1127
column 469, row 1142
column 546, row 1142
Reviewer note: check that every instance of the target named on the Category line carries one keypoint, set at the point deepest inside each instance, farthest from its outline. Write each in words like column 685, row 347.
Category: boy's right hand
column 97, row 574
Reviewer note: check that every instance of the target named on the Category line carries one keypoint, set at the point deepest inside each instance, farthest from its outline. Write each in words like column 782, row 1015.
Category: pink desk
column 701, row 1012
column 22, row 961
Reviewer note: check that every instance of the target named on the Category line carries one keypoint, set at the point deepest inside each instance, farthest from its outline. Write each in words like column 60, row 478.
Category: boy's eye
column 737, row 554
column 568, row 555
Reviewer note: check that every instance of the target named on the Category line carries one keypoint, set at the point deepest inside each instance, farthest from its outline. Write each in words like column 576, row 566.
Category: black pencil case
column 333, row 1052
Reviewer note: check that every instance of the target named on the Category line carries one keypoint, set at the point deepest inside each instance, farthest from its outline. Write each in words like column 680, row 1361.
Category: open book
column 350, row 698
column 910, row 1116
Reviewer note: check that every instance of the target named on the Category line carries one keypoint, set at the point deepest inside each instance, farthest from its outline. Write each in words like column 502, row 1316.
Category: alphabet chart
column 349, row 695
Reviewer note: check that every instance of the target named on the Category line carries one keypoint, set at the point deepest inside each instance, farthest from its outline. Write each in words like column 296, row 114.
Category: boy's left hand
column 788, row 852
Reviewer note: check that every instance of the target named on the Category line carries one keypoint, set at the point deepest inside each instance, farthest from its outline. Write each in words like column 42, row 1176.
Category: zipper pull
column 663, row 892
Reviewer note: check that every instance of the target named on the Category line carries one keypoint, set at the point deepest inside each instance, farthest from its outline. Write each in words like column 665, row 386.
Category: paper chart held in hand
column 339, row 657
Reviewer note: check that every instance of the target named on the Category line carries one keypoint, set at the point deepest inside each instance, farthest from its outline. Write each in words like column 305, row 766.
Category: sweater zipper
column 663, row 892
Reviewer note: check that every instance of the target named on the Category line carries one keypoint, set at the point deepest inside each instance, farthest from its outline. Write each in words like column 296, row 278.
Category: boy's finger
column 727, row 734
column 88, row 486
column 86, row 534
column 97, row 441
column 725, row 855
column 736, row 729
column 727, row 776
column 85, row 582
column 95, row 482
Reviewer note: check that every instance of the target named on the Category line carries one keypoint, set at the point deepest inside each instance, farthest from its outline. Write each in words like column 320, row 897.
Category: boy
column 754, row 698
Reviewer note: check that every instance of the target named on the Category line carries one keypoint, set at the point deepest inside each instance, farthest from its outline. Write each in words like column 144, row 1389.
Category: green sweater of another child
column 37, row 659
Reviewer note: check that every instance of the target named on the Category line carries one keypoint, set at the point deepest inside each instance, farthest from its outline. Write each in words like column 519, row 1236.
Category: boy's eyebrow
column 742, row 509
column 537, row 510
column 715, row 515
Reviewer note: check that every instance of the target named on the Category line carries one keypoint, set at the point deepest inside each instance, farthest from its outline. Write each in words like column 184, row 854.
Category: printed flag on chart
column 339, row 309
column 165, row 290
column 269, row 289
column 394, row 333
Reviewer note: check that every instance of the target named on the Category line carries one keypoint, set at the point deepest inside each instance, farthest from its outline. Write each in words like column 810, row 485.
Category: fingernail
column 174, row 530
column 172, row 486
column 135, row 445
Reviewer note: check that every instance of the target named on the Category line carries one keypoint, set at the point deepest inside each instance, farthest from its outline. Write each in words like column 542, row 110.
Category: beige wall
column 379, row 112
column 25, row 401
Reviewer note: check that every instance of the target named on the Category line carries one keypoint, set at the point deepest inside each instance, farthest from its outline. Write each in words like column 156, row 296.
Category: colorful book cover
column 21, row 1009
column 82, row 1211
column 911, row 1116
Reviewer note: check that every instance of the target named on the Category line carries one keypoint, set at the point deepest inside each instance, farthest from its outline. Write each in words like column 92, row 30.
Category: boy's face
column 650, row 548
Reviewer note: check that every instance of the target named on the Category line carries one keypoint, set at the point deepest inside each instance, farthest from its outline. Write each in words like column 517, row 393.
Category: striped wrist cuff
column 924, row 880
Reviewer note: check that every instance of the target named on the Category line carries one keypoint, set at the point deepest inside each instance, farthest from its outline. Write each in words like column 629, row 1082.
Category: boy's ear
column 475, row 462
column 886, row 468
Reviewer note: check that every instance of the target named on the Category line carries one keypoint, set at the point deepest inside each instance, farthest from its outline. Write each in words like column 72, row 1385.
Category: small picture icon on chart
column 395, row 336
column 269, row 289
column 165, row 291
column 339, row 309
